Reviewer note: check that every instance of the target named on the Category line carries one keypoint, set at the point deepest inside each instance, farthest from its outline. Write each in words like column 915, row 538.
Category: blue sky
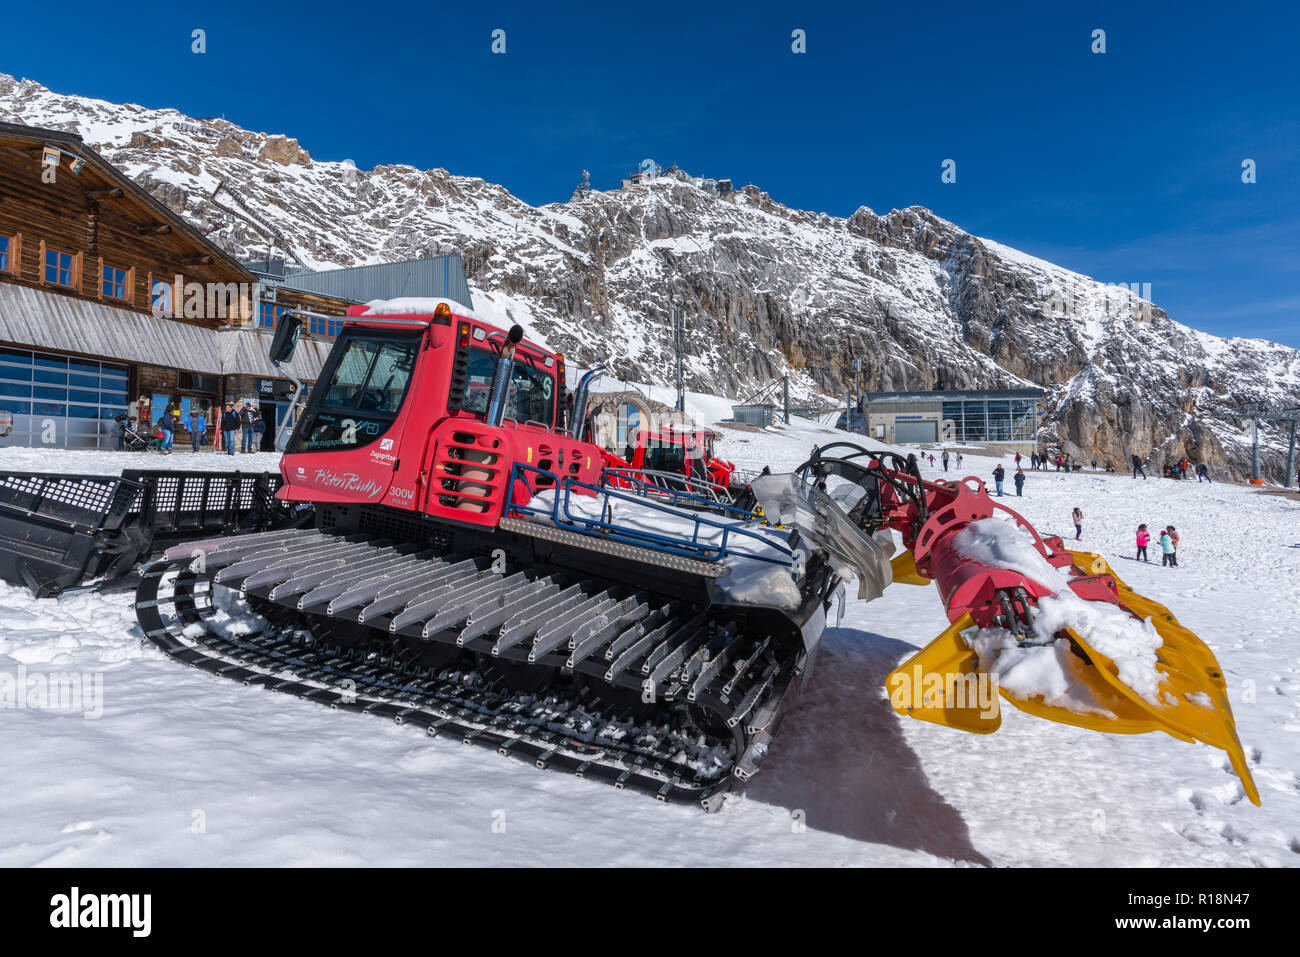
column 1124, row 165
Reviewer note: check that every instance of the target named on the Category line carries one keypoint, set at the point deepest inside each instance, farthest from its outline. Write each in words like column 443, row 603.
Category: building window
column 160, row 297
column 324, row 326
column 6, row 246
column 198, row 382
column 629, row 423
column 268, row 314
column 999, row 420
column 114, row 282
column 1024, row 419
column 58, row 267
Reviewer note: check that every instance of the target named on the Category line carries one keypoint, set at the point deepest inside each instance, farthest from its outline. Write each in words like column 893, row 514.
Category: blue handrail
column 561, row 513
column 645, row 488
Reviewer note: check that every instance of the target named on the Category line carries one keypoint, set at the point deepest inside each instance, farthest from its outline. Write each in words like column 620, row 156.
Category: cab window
column 666, row 458
column 532, row 388
column 364, row 394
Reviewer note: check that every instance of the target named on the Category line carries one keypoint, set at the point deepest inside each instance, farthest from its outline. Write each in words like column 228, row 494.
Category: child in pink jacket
column 1143, row 539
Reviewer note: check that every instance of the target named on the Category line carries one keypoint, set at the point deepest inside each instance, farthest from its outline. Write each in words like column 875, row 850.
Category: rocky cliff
column 766, row 289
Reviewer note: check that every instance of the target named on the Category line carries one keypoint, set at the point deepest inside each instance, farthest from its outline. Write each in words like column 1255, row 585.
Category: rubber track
column 451, row 703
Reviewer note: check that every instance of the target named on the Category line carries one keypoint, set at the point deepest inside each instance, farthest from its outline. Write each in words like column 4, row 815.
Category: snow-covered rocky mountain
column 766, row 289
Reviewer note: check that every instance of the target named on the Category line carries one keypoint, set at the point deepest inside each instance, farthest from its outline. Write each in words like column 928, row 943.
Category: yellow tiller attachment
column 1194, row 703
column 939, row 683
column 1194, row 695
column 904, row 566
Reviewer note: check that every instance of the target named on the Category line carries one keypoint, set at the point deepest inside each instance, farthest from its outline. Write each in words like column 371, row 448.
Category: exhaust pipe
column 580, row 402
column 496, row 409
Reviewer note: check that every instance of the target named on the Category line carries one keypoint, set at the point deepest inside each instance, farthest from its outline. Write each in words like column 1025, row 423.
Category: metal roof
column 438, row 277
column 244, row 352
column 48, row 320
column 51, row 320
column 951, row 395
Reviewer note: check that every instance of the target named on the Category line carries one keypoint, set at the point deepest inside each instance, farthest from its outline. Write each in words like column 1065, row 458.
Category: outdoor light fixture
column 50, row 156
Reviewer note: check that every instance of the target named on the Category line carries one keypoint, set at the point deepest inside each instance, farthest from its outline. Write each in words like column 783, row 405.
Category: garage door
column 912, row 433
column 60, row 401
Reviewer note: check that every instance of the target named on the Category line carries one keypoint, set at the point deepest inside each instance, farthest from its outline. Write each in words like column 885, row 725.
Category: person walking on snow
column 999, row 474
column 247, row 419
column 1017, row 460
column 1137, row 467
column 1173, row 539
column 958, row 460
column 1202, row 472
column 1077, row 515
column 1143, row 539
column 168, row 426
column 229, row 426
column 1019, row 479
column 945, row 460
column 1166, row 549
column 198, row 427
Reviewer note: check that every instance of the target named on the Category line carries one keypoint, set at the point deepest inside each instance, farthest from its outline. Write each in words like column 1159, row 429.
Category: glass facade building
column 966, row 417
column 991, row 420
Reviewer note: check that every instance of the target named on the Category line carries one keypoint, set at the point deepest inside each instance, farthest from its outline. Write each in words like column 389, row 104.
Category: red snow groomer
column 672, row 454
column 468, row 569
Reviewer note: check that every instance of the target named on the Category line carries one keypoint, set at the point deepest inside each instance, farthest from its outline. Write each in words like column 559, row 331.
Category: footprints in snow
column 1211, row 830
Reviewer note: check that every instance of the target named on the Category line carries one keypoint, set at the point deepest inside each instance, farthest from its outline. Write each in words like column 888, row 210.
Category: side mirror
column 285, row 339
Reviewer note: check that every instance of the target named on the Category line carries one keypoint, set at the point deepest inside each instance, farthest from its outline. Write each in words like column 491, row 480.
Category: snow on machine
column 1057, row 631
column 471, row 570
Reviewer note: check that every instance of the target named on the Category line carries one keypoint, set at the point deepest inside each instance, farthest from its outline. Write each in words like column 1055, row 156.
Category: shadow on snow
column 842, row 759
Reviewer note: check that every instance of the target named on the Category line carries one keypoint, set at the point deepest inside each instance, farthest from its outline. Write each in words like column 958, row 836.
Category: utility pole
column 785, row 388
column 857, row 389
column 1255, row 477
column 1257, row 412
column 679, row 344
column 1290, row 458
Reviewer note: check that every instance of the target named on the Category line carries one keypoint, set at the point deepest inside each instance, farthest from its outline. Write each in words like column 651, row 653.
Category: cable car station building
column 1003, row 417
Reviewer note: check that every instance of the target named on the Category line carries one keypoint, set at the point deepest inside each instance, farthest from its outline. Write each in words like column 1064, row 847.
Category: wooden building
column 110, row 302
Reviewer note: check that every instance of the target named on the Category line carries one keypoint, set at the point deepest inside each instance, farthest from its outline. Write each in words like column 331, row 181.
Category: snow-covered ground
column 99, row 462
column 182, row 768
